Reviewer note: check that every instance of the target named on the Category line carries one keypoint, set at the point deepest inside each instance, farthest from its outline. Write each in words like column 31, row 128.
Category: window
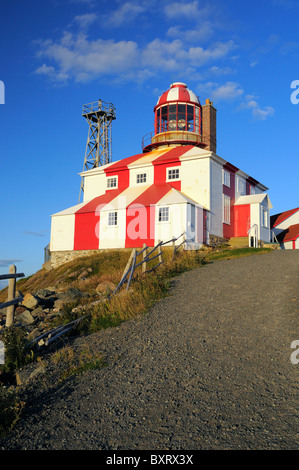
column 173, row 174
column 241, row 186
column 112, row 218
column 163, row 214
column 264, row 217
column 251, row 189
column 226, row 178
column 177, row 117
column 141, row 178
column 112, row 182
column 226, row 209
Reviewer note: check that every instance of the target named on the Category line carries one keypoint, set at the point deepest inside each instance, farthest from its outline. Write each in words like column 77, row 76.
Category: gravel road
column 208, row 367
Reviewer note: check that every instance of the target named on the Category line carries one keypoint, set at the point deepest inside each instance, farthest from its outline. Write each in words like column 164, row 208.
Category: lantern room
column 178, row 118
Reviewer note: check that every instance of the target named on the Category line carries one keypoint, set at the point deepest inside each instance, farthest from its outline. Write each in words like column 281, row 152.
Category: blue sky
column 60, row 54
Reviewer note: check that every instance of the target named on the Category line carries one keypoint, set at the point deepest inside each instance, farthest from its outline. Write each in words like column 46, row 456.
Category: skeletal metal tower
column 99, row 116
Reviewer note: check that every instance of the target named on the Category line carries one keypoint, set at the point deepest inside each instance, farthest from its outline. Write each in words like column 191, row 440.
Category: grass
column 236, row 253
column 71, row 363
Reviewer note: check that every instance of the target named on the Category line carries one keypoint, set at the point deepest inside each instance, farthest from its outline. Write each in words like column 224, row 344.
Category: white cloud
column 77, row 57
column 85, row 20
column 228, row 91
column 5, row 263
column 127, row 12
column 259, row 113
column 179, row 9
column 203, row 32
column 81, row 59
column 199, row 56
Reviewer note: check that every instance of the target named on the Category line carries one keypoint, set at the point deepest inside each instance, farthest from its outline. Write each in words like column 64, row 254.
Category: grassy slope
column 108, row 267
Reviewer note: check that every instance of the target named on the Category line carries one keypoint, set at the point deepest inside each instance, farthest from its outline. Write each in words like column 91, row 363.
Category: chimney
column 209, row 126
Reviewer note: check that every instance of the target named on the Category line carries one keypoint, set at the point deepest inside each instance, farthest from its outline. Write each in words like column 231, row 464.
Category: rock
column 34, row 334
column 25, row 375
column 71, row 294
column 20, row 309
column 30, row 301
column 37, row 312
column 58, row 305
column 44, row 293
column 103, row 287
column 25, row 318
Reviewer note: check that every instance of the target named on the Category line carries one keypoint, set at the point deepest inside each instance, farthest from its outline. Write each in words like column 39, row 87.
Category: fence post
column 160, row 252
column 144, row 257
column 10, row 296
column 173, row 246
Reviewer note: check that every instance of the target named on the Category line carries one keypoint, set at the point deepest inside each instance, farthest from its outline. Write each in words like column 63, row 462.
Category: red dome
column 178, row 92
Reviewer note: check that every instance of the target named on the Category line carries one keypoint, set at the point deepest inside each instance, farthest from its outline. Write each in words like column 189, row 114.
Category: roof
column 168, row 154
column 144, row 196
column 178, row 91
column 253, row 199
column 278, row 218
column 289, row 234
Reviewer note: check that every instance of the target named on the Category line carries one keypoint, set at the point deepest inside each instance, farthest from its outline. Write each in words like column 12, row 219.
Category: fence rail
column 132, row 264
column 48, row 337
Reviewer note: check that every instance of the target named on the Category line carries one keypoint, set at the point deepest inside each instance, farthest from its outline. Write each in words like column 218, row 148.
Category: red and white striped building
column 286, row 228
column 177, row 184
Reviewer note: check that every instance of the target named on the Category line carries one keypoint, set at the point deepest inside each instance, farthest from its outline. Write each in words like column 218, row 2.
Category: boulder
column 25, row 318
column 25, row 375
column 30, row 301
column 44, row 293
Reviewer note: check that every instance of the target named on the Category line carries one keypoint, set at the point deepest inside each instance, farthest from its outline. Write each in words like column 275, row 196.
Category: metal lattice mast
column 99, row 116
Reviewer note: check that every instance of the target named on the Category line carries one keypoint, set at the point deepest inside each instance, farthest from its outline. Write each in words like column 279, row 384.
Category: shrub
column 10, row 410
column 16, row 352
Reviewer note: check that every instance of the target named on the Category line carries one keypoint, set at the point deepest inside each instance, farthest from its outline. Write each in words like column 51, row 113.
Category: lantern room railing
column 154, row 140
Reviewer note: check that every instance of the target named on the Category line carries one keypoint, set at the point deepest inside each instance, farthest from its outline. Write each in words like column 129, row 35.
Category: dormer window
column 112, row 182
column 141, row 178
column 173, row 174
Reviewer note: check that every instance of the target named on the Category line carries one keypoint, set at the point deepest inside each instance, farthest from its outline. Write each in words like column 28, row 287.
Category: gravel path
column 207, row 368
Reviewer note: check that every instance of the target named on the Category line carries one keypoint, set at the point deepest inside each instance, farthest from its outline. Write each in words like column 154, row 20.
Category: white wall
column 62, row 232
column 112, row 236
column 195, row 176
column 256, row 218
column 177, row 222
column 94, row 185
column 293, row 219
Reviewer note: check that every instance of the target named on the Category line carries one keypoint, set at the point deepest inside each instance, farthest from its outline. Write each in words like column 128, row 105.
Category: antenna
column 99, row 116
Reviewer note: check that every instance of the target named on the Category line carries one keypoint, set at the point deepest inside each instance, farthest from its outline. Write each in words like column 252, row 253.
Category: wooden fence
column 128, row 274
column 12, row 300
column 147, row 256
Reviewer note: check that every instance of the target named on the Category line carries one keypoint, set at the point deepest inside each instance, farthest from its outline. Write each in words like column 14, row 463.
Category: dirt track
column 207, row 368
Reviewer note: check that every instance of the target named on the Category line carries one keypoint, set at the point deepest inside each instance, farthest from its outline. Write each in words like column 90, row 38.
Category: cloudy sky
column 57, row 55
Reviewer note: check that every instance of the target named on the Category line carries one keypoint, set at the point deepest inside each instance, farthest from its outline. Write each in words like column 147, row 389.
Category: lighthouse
column 177, row 184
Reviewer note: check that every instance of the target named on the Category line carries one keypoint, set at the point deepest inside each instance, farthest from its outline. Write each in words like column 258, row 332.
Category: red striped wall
column 242, row 220
column 228, row 229
column 140, row 216
column 87, row 220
